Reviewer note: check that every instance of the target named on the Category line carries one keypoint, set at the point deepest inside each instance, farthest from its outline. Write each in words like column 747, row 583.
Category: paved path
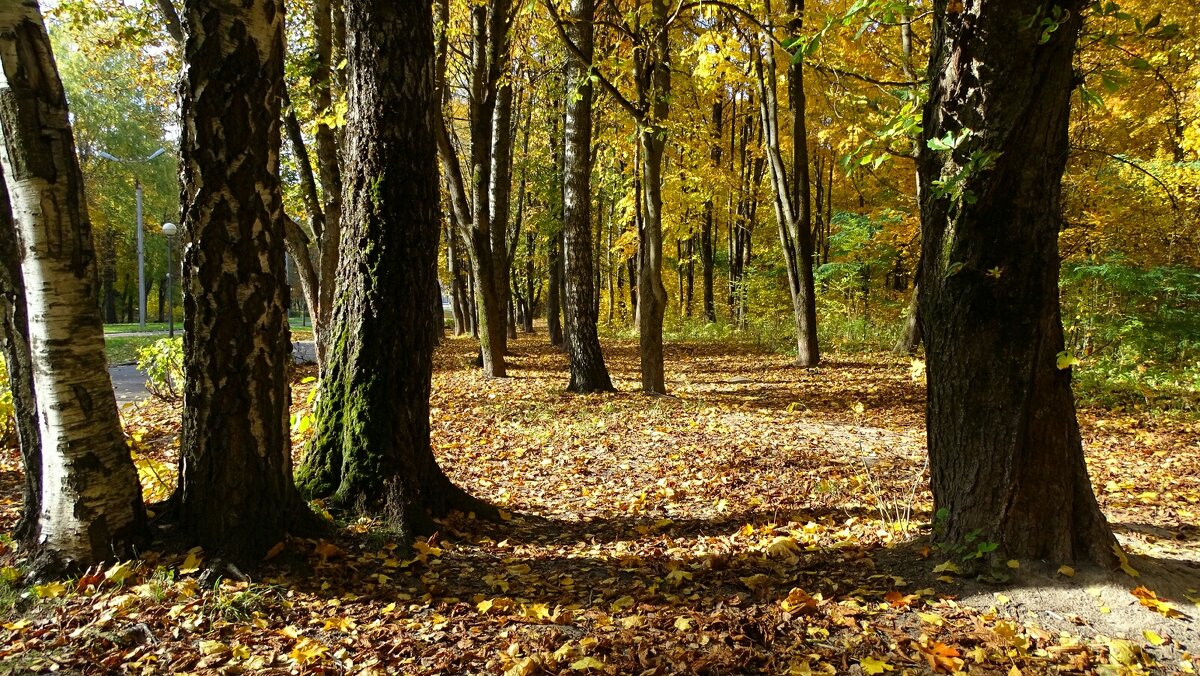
column 129, row 383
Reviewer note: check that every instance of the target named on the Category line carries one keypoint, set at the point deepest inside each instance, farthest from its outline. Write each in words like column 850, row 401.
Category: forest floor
column 763, row 518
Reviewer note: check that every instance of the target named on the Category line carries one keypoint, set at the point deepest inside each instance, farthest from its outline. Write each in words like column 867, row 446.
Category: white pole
column 141, row 253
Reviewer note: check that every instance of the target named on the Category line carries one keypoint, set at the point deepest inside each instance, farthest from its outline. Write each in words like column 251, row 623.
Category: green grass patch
column 123, row 349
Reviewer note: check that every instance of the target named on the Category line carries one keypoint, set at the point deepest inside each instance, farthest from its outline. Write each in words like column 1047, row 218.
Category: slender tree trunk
column 327, row 37
column 554, row 325
column 531, row 308
column 455, row 280
column 235, row 488
column 14, row 345
column 501, row 191
column 706, row 233
column 588, row 372
column 910, row 337
column 489, row 44
column 654, row 91
column 793, row 199
column 91, row 503
column 371, row 449
column 1006, row 458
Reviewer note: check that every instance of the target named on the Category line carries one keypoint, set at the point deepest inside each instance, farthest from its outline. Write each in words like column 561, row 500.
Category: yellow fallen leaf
column 623, row 602
column 947, row 567
column 343, row 624
column 870, row 665
column 537, row 611
column 1150, row 600
column 1014, row 564
column 1153, row 637
column 1124, row 559
column 118, row 572
column 585, row 663
column 307, row 650
column 1066, row 571
column 191, row 564
column 50, row 590
column 633, row 621
column 683, row 623
column 213, row 648
column 931, row 618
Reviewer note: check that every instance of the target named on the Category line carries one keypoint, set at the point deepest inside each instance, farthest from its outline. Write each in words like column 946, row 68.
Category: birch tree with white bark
column 91, row 502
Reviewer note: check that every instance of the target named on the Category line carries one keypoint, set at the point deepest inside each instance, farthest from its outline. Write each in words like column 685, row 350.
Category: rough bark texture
column 14, row 343
column 91, row 502
column 1005, row 452
column 236, row 491
column 372, row 450
column 588, row 372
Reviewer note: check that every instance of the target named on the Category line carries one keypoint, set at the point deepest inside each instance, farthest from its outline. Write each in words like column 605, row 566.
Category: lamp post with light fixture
column 141, row 250
column 169, row 230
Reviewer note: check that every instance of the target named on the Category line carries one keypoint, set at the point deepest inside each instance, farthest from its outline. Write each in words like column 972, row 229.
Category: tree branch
column 577, row 54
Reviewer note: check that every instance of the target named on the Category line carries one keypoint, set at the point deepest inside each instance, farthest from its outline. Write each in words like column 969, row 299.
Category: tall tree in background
column 91, row 501
column 791, row 184
column 1005, row 451
column 472, row 196
column 372, row 446
column 235, row 488
column 588, row 372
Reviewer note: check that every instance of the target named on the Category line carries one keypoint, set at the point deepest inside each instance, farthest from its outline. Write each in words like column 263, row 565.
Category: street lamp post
column 141, row 249
column 169, row 229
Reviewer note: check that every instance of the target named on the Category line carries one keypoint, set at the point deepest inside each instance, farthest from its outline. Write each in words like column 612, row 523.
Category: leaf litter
column 763, row 518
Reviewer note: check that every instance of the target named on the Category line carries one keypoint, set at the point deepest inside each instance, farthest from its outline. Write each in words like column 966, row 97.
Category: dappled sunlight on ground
column 761, row 518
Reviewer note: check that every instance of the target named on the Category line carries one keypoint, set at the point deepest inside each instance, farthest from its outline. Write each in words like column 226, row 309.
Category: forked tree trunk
column 235, row 490
column 14, row 344
column 791, row 187
column 372, row 449
column 588, row 372
column 1005, row 452
column 91, row 502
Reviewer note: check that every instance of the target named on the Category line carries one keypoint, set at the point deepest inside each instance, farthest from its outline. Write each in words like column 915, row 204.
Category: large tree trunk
column 371, row 449
column 14, row 345
column 588, row 372
column 1005, row 453
column 235, row 489
column 91, row 502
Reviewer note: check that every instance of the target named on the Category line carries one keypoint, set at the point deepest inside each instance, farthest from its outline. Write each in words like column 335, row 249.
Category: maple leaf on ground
column 870, row 665
column 1150, row 600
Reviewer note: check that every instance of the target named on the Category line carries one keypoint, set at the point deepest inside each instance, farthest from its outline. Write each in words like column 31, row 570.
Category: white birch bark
column 91, row 500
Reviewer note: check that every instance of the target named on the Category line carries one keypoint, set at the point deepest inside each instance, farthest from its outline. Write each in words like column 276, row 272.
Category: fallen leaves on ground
column 735, row 526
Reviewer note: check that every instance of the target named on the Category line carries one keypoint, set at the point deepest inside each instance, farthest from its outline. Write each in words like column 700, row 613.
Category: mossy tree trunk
column 372, row 449
column 1005, row 452
column 236, row 491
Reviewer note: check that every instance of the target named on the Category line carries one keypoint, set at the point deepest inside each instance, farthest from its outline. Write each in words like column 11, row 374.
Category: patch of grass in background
column 124, row 349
